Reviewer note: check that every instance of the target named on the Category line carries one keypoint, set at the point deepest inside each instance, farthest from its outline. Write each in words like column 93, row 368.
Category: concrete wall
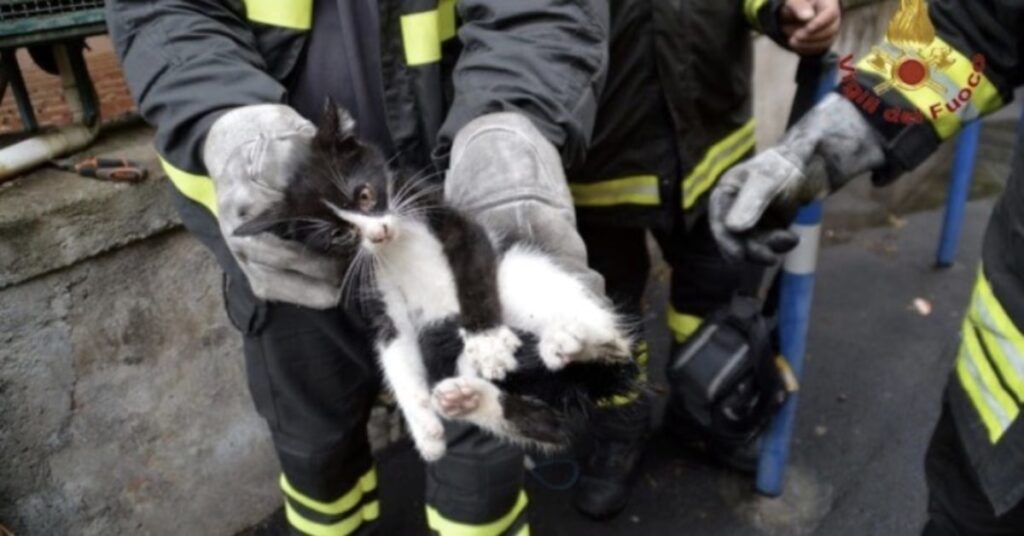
column 123, row 407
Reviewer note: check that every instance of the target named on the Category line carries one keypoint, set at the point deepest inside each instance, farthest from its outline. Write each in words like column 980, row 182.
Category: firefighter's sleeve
column 185, row 63
column 545, row 59
column 933, row 73
column 763, row 17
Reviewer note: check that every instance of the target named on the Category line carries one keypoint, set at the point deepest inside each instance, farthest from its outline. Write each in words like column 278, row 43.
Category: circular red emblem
column 912, row 71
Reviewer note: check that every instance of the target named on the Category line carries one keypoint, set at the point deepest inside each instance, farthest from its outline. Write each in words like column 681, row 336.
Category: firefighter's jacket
column 442, row 64
column 676, row 111
column 939, row 67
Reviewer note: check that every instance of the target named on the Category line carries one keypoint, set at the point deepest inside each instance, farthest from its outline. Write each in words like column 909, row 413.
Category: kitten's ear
column 270, row 221
column 336, row 124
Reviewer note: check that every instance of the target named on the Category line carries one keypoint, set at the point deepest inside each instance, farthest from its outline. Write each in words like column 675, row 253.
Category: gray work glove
column 506, row 174
column 755, row 201
column 246, row 154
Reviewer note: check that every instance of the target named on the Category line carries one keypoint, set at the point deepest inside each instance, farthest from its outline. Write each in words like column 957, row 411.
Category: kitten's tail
column 532, row 423
column 548, row 418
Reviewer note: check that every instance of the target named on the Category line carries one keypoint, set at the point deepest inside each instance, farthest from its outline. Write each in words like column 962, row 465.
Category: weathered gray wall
column 123, row 407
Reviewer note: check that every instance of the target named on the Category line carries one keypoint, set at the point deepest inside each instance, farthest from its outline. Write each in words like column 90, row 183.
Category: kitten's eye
column 366, row 198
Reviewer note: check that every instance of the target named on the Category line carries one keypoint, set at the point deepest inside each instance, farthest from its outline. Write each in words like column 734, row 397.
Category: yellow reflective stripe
column 751, row 9
column 525, row 531
column 421, row 37
column 447, row 527
column 970, row 385
column 446, row 19
column 350, row 524
column 295, row 14
column 636, row 190
column 367, row 483
column 682, row 325
column 371, row 510
column 642, row 357
column 984, row 97
column 1004, row 342
column 618, row 400
column 198, row 188
column 720, row 157
column 1007, row 408
column 1004, row 362
column 1002, row 323
column 423, row 32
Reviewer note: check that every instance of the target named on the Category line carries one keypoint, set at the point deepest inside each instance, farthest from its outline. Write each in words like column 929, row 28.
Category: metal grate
column 11, row 10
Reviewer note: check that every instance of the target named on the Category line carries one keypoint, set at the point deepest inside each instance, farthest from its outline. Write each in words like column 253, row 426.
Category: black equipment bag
column 726, row 377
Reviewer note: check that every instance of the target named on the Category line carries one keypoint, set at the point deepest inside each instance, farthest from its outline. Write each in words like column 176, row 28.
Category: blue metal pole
column 796, row 293
column 959, row 187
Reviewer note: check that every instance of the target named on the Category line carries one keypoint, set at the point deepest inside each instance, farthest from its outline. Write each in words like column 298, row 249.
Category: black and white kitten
column 506, row 340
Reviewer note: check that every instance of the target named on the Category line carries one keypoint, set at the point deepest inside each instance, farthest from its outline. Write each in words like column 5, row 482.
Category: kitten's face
column 340, row 198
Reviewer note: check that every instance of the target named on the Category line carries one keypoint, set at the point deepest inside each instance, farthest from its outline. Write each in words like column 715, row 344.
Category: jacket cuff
column 908, row 140
column 763, row 16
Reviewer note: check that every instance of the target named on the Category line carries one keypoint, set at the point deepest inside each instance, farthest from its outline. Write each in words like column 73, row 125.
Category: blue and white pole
column 816, row 77
column 959, row 188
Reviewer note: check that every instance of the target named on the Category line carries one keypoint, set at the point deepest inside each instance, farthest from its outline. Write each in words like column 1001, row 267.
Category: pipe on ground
column 30, row 153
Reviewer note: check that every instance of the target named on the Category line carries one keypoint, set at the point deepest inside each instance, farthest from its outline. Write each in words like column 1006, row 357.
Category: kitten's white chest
column 415, row 278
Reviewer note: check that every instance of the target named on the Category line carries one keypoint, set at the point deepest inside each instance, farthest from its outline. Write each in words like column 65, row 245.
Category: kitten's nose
column 379, row 233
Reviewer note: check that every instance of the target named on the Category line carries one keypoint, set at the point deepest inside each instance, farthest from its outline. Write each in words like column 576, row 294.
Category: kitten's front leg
column 489, row 346
column 403, row 368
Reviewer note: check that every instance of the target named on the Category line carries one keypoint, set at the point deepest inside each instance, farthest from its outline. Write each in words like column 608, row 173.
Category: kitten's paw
column 559, row 346
column 567, row 342
column 431, row 450
column 456, row 397
column 428, row 435
column 490, row 354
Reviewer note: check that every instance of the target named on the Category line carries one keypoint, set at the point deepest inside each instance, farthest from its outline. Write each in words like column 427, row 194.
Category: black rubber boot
column 608, row 474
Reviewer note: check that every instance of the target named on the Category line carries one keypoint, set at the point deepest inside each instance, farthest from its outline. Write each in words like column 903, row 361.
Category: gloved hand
column 505, row 173
column 246, row 155
column 755, row 201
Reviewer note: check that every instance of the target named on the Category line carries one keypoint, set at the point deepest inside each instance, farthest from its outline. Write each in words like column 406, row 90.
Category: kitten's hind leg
column 405, row 372
column 517, row 419
column 571, row 323
column 469, row 398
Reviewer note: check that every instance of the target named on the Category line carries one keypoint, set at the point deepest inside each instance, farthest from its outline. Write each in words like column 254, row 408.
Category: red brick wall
column 47, row 95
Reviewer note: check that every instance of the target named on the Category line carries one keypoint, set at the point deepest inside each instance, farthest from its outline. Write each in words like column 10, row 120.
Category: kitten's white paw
column 431, row 450
column 428, row 435
column 456, row 397
column 559, row 346
column 490, row 354
column 566, row 342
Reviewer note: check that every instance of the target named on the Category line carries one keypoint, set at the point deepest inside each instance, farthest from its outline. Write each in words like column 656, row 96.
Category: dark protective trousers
column 957, row 505
column 701, row 280
column 313, row 377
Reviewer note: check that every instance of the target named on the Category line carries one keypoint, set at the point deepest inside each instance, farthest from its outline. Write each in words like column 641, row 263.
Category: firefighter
column 941, row 65
column 675, row 113
column 231, row 87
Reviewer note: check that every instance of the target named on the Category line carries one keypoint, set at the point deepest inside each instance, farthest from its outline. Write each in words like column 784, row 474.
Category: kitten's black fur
column 540, row 405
